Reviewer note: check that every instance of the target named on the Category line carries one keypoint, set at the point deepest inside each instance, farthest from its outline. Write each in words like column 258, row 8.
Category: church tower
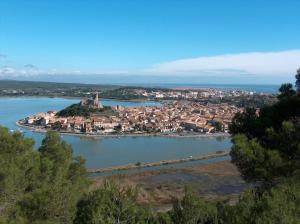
column 96, row 102
column 96, row 99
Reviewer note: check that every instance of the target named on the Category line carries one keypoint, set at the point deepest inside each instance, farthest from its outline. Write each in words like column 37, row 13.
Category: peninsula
column 174, row 118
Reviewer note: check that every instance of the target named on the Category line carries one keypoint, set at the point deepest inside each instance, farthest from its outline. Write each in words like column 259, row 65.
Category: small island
column 180, row 118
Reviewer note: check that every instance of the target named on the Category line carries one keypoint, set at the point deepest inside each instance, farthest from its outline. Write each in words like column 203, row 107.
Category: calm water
column 104, row 152
column 251, row 87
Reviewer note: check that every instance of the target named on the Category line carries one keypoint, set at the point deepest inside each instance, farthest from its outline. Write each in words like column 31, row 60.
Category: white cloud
column 258, row 63
column 5, row 70
column 31, row 70
column 231, row 65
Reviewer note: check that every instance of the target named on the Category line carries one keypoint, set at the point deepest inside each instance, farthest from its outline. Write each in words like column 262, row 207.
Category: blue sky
column 151, row 38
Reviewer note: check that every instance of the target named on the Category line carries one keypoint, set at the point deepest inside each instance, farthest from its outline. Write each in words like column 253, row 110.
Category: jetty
column 139, row 165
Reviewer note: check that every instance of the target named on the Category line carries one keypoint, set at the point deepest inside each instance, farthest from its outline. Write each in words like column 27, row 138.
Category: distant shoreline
column 173, row 135
column 80, row 98
column 259, row 88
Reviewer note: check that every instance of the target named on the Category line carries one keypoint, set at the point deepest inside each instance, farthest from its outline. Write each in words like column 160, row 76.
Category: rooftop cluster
column 175, row 117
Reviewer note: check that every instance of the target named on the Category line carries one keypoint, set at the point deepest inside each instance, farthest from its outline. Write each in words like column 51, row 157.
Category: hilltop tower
column 96, row 102
column 92, row 102
column 95, row 97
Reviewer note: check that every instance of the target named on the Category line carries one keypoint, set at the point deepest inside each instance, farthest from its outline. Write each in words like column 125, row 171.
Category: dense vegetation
column 41, row 186
column 254, row 101
column 51, row 89
column 267, row 147
column 85, row 111
column 51, row 186
column 123, row 93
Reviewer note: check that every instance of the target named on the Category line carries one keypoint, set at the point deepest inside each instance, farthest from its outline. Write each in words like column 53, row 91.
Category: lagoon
column 109, row 151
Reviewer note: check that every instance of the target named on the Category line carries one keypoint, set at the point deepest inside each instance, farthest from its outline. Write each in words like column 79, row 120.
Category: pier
column 160, row 163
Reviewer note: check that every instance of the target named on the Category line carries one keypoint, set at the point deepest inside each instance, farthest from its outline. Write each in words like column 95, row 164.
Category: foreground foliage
column 279, row 205
column 41, row 186
column 267, row 147
column 111, row 204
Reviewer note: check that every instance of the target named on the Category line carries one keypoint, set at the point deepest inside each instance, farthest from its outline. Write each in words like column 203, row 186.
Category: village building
column 172, row 117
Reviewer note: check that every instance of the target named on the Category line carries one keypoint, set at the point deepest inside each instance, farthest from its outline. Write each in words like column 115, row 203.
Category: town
column 171, row 117
column 190, row 94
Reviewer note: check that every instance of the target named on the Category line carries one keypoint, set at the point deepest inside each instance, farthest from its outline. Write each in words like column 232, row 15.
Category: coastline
column 171, row 135
column 77, row 97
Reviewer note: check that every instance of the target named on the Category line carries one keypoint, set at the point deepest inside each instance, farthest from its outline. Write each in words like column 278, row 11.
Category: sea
column 271, row 89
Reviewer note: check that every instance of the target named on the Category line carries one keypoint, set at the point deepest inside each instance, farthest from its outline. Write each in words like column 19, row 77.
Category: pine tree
column 298, row 80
